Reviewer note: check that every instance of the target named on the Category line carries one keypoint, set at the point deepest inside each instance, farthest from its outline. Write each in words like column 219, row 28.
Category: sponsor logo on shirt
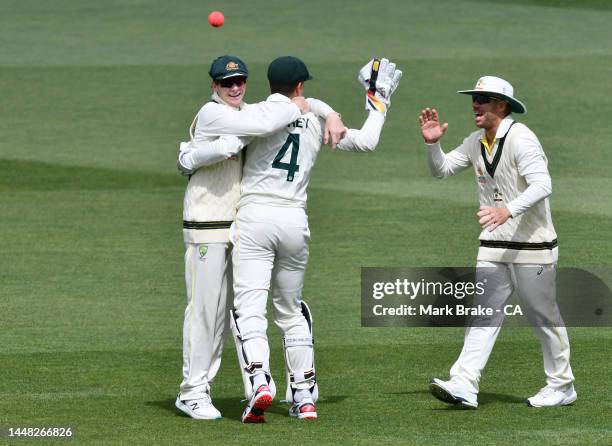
column 480, row 175
column 497, row 197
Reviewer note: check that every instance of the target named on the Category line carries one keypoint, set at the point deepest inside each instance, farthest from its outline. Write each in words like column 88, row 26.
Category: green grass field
column 96, row 96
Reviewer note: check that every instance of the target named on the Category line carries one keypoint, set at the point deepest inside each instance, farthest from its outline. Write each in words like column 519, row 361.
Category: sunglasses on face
column 482, row 99
column 231, row 81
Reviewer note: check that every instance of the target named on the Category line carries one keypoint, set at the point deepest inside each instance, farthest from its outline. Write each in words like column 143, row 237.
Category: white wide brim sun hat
column 497, row 88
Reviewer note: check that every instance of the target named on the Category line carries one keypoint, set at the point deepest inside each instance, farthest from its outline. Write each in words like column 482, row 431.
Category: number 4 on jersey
column 292, row 141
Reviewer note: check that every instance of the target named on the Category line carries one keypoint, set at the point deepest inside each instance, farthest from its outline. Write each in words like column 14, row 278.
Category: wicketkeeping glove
column 380, row 78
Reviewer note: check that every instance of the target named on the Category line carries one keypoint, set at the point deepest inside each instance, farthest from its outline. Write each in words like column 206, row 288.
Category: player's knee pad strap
column 299, row 359
column 242, row 337
column 302, row 379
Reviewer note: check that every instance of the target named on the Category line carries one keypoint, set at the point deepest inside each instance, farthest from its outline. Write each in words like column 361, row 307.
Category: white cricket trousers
column 536, row 288
column 208, row 277
column 270, row 247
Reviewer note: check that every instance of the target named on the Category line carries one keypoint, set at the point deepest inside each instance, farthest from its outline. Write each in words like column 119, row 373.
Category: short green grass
column 96, row 96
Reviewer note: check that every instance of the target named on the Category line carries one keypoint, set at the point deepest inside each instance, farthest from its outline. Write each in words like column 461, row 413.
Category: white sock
column 301, row 394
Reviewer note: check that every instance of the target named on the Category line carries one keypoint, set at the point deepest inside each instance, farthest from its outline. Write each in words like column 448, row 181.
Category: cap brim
column 237, row 73
column 516, row 106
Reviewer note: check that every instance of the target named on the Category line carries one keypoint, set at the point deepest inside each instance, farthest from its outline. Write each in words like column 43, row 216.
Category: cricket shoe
column 200, row 409
column 304, row 410
column 259, row 403
column 549, row 397
column 454, row 393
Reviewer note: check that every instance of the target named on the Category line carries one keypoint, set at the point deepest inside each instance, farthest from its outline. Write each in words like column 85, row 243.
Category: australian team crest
column 231, row 66
column 202, row 250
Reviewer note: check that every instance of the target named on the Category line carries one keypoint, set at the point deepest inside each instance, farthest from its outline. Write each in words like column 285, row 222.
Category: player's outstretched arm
column 441, row 165
column 431, row 129
column 259, row 119
column 380, row 78
column 366, row 138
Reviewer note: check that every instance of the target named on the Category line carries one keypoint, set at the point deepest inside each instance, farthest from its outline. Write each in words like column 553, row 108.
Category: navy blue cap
column 227, row 66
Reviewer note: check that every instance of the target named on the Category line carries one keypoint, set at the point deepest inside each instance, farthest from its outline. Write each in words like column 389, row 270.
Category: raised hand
column 380, row 78
column 388, row 79
column 431, row 129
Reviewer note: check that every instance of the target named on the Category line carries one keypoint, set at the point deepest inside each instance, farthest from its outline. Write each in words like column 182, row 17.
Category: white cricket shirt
column 515, row 175
column 277, row 168
column 213, row 191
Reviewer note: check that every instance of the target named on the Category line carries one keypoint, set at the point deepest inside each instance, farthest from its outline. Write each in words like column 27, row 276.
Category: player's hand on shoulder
column 334, row 130
column 301, row 102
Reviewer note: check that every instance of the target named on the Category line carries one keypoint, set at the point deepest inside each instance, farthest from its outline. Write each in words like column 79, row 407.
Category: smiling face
column 231, row 90
column 488, row 111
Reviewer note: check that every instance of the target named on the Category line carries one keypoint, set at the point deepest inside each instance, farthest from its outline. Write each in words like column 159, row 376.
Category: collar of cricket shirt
column 492, row 160
column 503, row 128
column 277, row 97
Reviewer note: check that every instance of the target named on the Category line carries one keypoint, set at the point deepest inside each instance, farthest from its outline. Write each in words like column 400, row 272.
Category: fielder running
column 518, row 243
column 271, row 234
column 209, row 206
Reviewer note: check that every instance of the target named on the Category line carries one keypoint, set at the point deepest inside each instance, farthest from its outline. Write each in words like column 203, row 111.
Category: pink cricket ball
column 216, row 19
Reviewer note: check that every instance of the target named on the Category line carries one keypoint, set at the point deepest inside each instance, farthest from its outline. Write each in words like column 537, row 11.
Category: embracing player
column 210, row 200
column 271, row 234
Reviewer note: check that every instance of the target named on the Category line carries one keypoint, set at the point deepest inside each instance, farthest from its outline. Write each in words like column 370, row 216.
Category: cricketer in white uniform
column 209, row 207
column 271, row 234
column 518, row 244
